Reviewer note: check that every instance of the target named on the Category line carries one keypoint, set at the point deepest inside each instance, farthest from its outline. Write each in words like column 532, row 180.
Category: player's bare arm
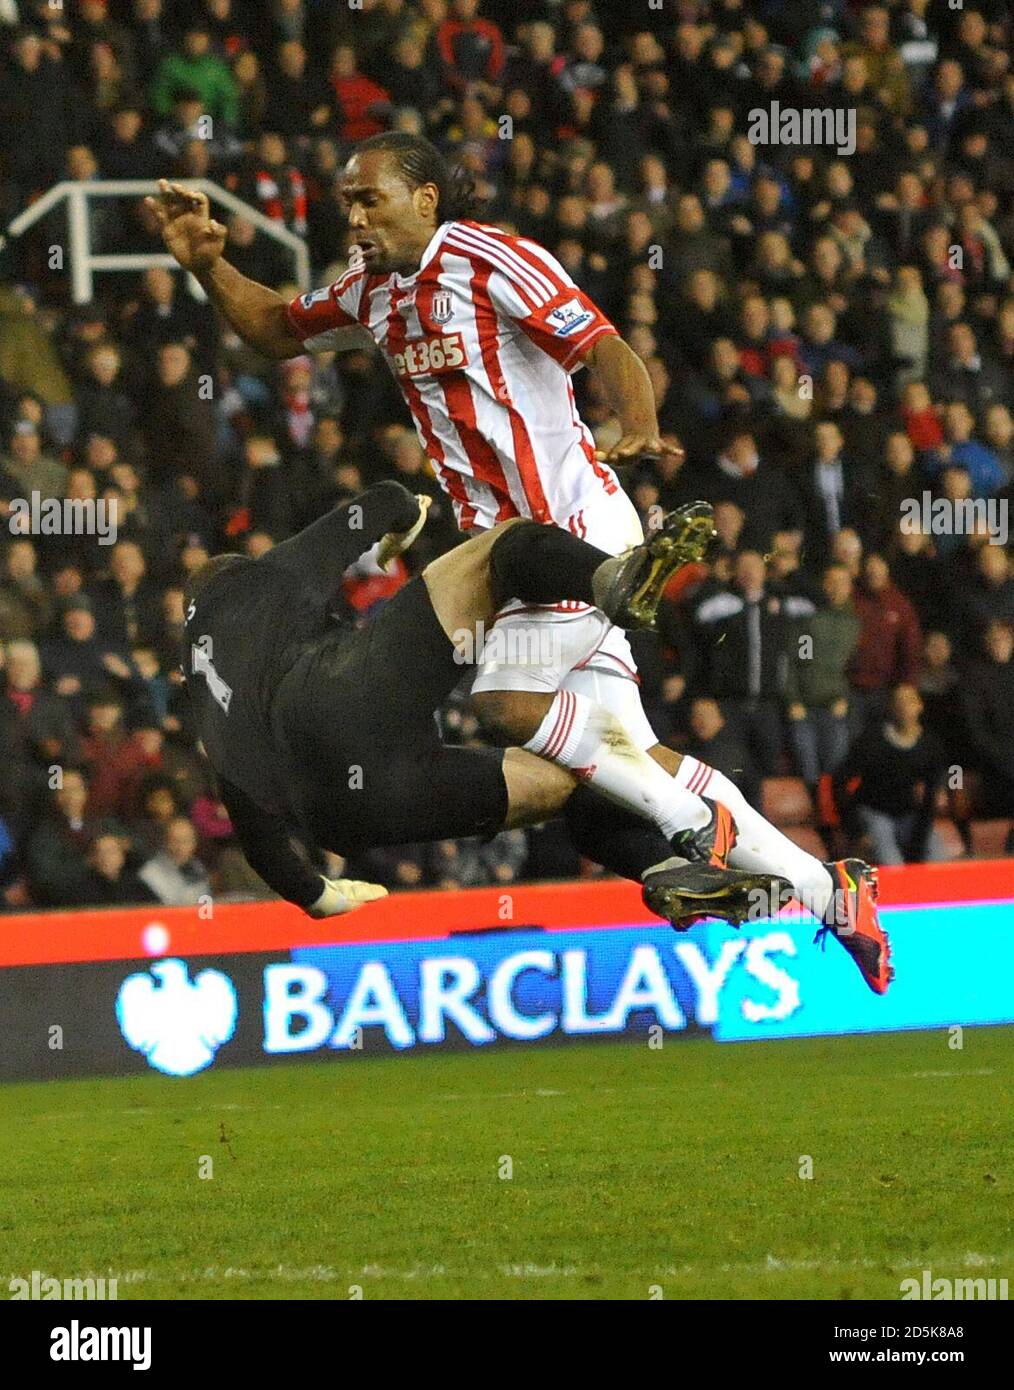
column 197, row 241
column 628, row 389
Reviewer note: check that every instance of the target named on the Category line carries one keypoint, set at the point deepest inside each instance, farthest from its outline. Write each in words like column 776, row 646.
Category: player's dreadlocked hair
column 420, row 162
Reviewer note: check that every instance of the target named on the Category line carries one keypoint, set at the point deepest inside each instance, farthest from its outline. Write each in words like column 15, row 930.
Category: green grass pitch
column 634, row 1169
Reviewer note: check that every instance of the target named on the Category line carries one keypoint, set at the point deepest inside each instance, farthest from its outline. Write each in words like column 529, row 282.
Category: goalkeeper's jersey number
column 201, row 664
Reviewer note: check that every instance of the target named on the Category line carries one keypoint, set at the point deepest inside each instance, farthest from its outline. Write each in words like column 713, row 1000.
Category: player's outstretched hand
column 395, row 543
column 634, row 447
column 343, row 895
column 188, row 229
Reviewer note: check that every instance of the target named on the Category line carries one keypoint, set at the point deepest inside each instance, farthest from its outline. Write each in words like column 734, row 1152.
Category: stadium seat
column 989, row 838
column 786, row 801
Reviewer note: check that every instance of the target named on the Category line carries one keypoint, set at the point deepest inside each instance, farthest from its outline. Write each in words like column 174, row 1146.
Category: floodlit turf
column 632, row 1168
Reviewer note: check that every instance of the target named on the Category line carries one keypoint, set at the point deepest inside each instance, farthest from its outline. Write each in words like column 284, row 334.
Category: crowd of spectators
column 829, row 331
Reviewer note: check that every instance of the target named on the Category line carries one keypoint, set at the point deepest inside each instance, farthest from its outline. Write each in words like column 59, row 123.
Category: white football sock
column 759, row 845
column 591, row 741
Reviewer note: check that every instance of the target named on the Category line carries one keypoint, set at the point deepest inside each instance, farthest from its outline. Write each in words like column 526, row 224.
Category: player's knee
column 510, row 716
column 510, row 556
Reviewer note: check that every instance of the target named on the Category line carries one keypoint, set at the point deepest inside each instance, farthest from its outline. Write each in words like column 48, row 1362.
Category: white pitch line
column 541, row 1091
column 327, row 1274
column 928, row 1075
column 152, row 1110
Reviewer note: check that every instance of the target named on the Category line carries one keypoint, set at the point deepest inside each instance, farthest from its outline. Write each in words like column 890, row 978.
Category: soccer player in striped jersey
column 483, row 330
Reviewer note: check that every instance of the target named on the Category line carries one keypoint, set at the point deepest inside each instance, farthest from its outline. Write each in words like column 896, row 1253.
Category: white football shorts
column 546, row 647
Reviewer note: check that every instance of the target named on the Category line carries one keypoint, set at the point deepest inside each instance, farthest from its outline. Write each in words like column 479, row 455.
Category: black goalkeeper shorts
column 358, row 712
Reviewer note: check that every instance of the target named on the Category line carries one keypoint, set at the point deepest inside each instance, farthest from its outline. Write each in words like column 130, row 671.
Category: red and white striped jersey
column 482, row 339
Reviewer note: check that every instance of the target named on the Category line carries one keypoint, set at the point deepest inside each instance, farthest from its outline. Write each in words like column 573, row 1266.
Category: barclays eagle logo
column 179, row 1024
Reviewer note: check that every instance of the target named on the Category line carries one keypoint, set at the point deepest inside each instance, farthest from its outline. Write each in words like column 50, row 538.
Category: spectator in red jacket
column 124, row 772
column 922, row 423
column 471, row 49
column 363, row 105
column 890, row 639
column 276, row 186
column 101, row 747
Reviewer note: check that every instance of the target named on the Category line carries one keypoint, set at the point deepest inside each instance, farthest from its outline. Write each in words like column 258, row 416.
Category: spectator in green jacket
column 817, row 690
column 197, row 68
column 25, row 469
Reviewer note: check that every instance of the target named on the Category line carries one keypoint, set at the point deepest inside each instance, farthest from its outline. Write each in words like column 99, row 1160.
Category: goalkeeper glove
column 343, row 895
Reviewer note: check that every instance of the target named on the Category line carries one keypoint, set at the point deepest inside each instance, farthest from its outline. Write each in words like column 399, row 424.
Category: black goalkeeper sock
column 542, row 564
column 619, row 840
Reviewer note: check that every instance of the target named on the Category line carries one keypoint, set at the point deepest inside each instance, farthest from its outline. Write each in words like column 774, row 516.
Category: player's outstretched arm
column 629, row 391
column 258, row 314
column 270, row 852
